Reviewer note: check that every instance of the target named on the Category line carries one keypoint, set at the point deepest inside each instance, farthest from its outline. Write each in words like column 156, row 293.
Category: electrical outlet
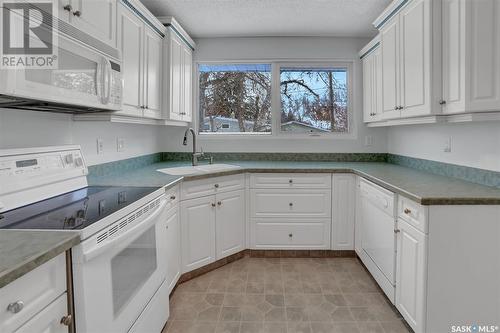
column 447, row 145
column 120, row 144
column 368, row 140
column 100, row 146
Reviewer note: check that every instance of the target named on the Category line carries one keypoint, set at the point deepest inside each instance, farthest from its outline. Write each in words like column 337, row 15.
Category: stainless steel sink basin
column 199, row 169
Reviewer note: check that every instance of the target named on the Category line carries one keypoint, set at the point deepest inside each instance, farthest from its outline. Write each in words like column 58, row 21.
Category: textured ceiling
column 248, row 18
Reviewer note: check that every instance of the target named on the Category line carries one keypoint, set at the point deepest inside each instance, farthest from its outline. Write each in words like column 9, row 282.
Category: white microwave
column 87, row 78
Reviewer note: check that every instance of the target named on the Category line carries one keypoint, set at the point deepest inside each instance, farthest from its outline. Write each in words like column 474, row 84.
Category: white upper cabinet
column 94, row 17
column 389, row 36
column 372, row 81
column 178, row 72
column 141, row 48
column 471, row 56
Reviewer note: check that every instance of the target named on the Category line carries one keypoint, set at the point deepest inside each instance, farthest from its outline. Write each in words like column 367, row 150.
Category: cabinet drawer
column 290, row 180
column 35, row 289
column 290, row 203
column 49, row 319
column 203, row 187
column 173, row 197
column 413, row 213
column 380, row 197
column 298, row 235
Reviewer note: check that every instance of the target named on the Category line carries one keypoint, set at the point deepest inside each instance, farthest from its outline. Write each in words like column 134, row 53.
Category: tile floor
column 255, row 295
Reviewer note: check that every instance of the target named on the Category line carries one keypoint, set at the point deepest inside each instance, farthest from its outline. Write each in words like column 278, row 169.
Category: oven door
column 115, row 279
column 84, row 77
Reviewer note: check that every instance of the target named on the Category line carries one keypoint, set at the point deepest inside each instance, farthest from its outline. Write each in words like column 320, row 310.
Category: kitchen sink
column 199, row 169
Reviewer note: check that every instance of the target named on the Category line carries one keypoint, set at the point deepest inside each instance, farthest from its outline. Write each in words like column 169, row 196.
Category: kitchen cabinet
column 406, row 51
column 290, row 211
column 97, row 18
column 178, row 72
column 37, row 301
column 411, row 277
column 173, row 243
column 471, row 56
column 343, row 211
column 141, row 49
column 372, row 82
column 212, row 220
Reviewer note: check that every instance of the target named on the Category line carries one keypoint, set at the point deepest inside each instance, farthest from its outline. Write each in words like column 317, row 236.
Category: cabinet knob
column 396, row 108
column 396, row 231
column 290, row 235
column 68, row 8
column 407, row 211
column 442, row 102
column 219, row 203
column 172, row 197
column 15, row 307
column 67, row 320
column 290, row 181
column 216, row 185
column 77, row 13
column 213, row 204
column 290, row 204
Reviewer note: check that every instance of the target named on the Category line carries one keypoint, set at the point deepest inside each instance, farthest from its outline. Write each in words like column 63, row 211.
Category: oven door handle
column 129, row 234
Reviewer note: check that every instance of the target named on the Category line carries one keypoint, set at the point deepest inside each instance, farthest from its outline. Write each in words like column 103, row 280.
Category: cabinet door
column 152, row 71
column 49, row 319
column 173, row 249
column 411, row 268
column 197, row 232
column 343, row 209
column 176, row 74
column 97, row 18
column 377, row 98
column 187, row 83
column 415, row 59
column 390, row 68
column 230, row 223
column 130, row 43
column 367, row 88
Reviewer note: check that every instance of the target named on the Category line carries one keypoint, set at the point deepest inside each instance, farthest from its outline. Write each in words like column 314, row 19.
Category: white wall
column 20, row 129
column 472, row 144
column 285, row 48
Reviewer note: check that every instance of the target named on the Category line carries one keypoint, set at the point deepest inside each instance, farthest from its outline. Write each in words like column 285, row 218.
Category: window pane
column 235, row 98
column 314, row 100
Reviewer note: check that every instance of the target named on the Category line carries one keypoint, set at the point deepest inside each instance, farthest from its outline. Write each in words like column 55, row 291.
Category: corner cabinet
column 141, row 49
column 178, row 72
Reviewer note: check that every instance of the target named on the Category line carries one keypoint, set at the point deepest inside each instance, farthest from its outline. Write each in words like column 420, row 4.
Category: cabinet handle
column 407, row 211
column 290, row 204
column 396, row 231
column 290, row 235
column 442, row 102
column 77, row 13
column 66, row 320
column 172, row 197
column 216, row 185
column 213, row 204
column 15, row 307
column 290, row 181
column 219, row 203
column 68, row 8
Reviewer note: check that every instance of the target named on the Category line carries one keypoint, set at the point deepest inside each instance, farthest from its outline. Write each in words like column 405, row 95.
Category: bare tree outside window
column 314, row 100
column 235, row 98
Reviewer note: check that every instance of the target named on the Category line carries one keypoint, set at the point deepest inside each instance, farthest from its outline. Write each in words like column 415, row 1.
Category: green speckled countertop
column 423, row 187
column 23, row 250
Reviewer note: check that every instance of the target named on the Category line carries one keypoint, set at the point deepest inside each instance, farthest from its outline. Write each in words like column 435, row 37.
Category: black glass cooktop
column 74, row 210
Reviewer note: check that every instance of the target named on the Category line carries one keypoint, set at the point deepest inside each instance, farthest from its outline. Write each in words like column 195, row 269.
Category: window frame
column 276, row 132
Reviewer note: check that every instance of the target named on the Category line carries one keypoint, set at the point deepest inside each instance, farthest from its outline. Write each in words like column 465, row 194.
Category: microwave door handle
column 129, row 234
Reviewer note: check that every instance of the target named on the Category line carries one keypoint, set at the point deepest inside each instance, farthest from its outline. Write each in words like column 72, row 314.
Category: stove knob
column 68, row 158
column 78, row 162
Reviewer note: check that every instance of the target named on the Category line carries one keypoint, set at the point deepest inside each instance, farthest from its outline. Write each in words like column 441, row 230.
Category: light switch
column 447, row 145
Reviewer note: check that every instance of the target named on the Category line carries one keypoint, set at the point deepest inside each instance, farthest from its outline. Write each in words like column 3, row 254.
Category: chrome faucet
column 195, row 155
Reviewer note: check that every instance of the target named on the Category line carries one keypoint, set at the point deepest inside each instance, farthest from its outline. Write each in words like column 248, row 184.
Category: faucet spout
column 195, row 155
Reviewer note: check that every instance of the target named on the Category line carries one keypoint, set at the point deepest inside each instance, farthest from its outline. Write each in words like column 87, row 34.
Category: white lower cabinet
column 212, row 220
column 173, row 243
column 49, row 319
column 286, row 234
column 230, row 223
column 411, row 275
column 343, row 211
column 198, row 232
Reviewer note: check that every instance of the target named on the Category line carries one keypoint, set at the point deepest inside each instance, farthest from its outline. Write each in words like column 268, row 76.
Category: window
column 235, row 98
column 279, row 99
column 314, row 100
